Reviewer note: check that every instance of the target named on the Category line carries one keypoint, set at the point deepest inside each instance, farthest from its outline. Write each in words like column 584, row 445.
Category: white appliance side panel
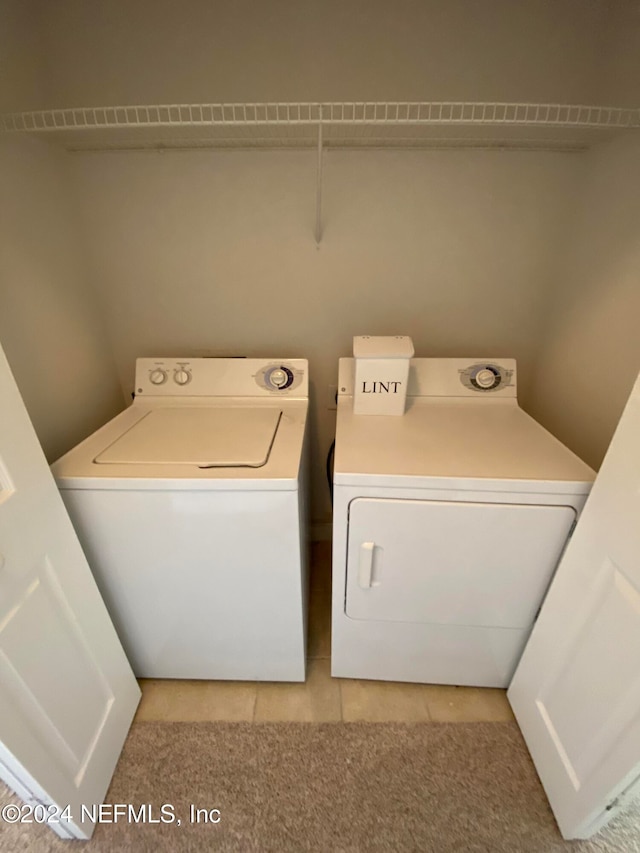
column 452, row 562
column 199, row 584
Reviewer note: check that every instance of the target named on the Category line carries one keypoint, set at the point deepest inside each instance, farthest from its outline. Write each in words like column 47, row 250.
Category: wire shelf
column 354, row 124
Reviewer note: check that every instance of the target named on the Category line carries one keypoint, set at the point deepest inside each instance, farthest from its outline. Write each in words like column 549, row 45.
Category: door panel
column 594, row 659
column 28, row 678
column 576, row 692
column 67, row 692
column 452, row 563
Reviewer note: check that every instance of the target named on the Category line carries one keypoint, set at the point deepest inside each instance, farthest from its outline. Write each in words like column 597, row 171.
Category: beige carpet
column 331, row 787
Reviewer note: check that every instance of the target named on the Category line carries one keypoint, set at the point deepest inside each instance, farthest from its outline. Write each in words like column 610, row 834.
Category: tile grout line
column 255, row 703
column 427, row 709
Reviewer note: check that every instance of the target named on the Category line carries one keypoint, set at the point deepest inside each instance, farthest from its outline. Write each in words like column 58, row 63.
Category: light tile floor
column 321, row 698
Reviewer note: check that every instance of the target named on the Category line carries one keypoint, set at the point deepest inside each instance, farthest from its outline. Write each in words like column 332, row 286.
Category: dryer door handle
column 365, row 564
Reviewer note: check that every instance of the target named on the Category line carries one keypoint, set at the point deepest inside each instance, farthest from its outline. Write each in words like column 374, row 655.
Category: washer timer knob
column 182, row 376
column 158, row 376
column 279, row 378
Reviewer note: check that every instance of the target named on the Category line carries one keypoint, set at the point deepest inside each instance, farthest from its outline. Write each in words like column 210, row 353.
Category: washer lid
column 206, row 437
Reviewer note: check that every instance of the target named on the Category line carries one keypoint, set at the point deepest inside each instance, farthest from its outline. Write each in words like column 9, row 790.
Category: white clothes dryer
column 190, row 506
column 449, row 522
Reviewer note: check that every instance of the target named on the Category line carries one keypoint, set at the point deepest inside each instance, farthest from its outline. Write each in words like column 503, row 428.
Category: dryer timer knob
column 158, row 376
column 486, row 378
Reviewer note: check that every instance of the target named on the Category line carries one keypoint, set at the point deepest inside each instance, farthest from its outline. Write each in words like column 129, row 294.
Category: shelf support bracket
column 319, row 184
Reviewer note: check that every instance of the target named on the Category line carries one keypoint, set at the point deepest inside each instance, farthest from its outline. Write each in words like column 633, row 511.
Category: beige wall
column 620, row 78
column 590, row 353
column 214, row 253
column 164, row 51
column 21, row 56
column 50, row 326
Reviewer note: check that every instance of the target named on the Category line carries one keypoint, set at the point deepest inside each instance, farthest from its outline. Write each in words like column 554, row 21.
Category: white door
column 408, row 560
column 576, row 692
column 67, row 692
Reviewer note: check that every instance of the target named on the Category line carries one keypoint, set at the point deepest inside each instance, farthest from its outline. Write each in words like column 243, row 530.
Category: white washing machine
column 190, row 506
column 449, row 522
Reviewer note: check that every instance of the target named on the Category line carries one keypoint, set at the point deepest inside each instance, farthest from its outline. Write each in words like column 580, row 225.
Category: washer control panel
column 486, row 376
column 221, row 377
column 279, row 377
column 178, row 373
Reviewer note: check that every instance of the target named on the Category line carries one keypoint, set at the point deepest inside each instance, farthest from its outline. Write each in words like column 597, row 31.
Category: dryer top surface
column 455, row 440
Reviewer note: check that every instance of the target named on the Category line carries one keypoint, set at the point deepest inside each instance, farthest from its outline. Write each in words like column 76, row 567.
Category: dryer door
column 452, row 563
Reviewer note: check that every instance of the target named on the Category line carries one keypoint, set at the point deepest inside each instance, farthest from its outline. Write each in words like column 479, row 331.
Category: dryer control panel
column 465, row 378
column 486, row 376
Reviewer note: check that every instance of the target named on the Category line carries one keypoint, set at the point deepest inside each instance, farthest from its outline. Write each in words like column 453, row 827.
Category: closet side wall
column 590, row 354
column 50, row 326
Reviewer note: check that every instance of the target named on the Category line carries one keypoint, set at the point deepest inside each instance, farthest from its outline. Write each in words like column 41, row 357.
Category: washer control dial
column 182, row 376
column 158, row 376
column 279, row 378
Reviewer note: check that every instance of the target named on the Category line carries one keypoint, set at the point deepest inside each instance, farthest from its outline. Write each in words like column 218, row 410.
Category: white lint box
column 382, row 374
